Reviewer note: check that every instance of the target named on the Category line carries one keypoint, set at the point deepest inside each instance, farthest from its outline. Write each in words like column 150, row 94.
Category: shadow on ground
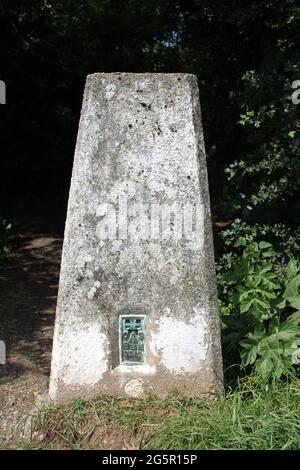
column 28, row 285
column 28, row 291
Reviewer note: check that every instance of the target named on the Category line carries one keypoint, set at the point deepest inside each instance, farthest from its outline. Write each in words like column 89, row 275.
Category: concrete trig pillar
column 137, row 309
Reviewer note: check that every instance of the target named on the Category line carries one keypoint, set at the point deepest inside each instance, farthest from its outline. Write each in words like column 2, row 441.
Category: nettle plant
column 261, row 313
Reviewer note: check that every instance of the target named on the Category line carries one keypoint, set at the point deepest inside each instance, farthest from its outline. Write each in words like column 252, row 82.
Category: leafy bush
column 264, row 179
column 261, row 312
column 239, row 234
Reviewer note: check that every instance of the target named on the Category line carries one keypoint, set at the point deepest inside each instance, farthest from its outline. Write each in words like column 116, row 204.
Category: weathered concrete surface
column 140, row 138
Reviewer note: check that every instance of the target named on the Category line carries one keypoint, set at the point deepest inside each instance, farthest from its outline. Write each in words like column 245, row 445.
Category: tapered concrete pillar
column 137, row 307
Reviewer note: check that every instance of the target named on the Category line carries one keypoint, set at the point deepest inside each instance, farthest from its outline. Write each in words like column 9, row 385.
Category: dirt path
column 28, row 289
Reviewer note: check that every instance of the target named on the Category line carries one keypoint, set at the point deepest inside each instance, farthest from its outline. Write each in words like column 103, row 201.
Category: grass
column 251, row 417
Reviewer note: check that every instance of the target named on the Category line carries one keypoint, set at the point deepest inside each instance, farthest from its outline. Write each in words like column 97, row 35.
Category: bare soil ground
column 28, row 290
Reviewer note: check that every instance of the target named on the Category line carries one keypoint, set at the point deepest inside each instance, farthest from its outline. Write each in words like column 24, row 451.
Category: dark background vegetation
column 246, row 55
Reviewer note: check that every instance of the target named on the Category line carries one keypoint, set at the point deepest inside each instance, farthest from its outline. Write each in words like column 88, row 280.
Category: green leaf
column 292, row 289
column 295, row 316
column 284, row 331
column 271, row 353
column 245, row 306
column 249, row 356
column 292, row 268
column 264, row 366
column 294, row 302
column 263, row 245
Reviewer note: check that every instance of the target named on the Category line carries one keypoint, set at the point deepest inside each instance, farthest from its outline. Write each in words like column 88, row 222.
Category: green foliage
column 265, row 176
column 261, row 312
column 7, row 237
column 268, row 173
column 231, row 242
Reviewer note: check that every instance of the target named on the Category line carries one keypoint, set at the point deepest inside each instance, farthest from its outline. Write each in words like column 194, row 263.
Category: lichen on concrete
column 138, row 241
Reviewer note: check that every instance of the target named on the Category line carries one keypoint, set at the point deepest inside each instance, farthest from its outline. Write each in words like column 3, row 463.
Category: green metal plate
column 132, row 331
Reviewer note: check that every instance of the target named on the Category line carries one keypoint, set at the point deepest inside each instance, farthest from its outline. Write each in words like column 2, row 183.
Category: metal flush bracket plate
column 132, row 339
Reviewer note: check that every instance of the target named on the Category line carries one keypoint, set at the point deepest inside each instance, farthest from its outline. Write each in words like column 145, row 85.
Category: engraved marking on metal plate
column 132, row 331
